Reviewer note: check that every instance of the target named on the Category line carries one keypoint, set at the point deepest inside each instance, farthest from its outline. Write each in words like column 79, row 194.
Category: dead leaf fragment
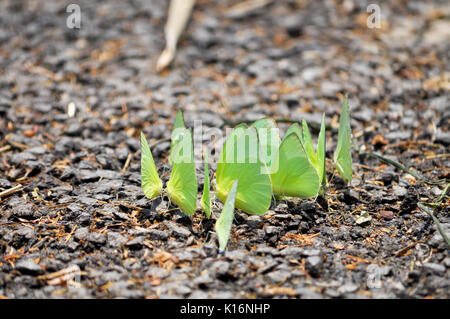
column 364, row 218
column 379, row 140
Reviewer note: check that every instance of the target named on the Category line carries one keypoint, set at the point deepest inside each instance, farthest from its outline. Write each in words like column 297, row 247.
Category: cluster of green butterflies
column 247, row 177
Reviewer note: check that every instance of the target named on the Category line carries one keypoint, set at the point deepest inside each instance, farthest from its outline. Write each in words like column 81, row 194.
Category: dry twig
column 10, row 191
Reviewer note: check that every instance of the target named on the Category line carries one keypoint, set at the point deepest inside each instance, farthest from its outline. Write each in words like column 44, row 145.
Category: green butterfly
column 317, row 159
column 296, row 176
column 151, row 183
column 225, row 221
column 240, row 160
column 182, row 185
column 343, row 152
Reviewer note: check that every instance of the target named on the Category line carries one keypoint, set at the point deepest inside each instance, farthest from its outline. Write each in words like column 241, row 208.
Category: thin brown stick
column 5, row 148
column 402, row 251
column 127, row 163
column 10, row 191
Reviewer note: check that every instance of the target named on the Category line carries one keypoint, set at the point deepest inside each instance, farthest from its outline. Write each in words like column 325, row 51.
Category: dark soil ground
column 80, row 226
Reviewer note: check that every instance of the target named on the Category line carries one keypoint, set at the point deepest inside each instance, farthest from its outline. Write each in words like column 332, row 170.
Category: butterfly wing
column 182, row 185
column 294, row 128
column 342, row 154
column 321, row 152
column 177, row 133
column 150, row 181
column 296, row 176
column 240, row 160
column 225, row 221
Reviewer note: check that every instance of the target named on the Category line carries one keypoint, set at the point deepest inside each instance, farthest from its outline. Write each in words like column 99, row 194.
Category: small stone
column 183, row 290
column 176, row 230
column 157, row 272
column 311, row 252
column 236, row 255
column 437, row 239
column 347, row 288
column 306, row 293
column 254, row 221
column 278, row 276
column 22, row 157
column 272, row 230
column 156, row 234
column 4, row 183
column 74, row 129
column 210, row 250
column 268, row 266
column 435, row 268
column 443, row 137
column 294, row 24
column 203, row 280
column 387, row 214
column 409, row 203
column 25, row 233
column 135, row 243
column 365, row 115
column 265, row 250
column 84, row 219
column 435, row 191
column 331, row 292
column 399, row 191
column 87, row 200
column 81, row 234
column 220, row 268
column 387, row 178
column 72, row 245
column 203, row 38
column 121, row 215
column 29, row 267
column 292, row 252
column 351, row 196
column 398, row 135
column 446, row 262
column 329, row 89
column 111, row 276
column 238, row 103
column 38, row 150
column 312, row 73
column 115, row 239
column 308, row 207
column 97, row 239
column 314, row 265
column 25, row 211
